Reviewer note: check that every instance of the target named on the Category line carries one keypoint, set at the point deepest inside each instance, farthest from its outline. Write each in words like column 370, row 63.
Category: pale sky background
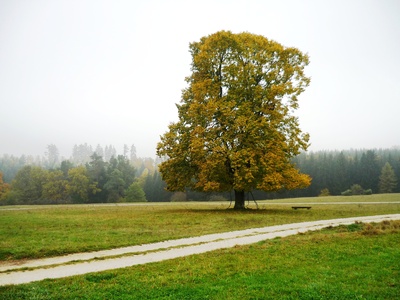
column 110, row 72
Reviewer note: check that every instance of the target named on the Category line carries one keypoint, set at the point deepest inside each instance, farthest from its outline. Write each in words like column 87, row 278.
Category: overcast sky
column 110, row 72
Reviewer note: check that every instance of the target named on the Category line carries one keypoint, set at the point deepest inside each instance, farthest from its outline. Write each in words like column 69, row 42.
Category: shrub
column 324, row 192
column 347, row 193
column 368, row 192
column 356, row 189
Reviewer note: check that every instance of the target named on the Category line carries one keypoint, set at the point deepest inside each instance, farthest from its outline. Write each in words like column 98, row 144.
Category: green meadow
column 44, row 231
column 359, row 261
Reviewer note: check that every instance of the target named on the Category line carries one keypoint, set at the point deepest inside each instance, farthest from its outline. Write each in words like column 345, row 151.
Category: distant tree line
column 84, row 178
column 96, row 181
column 81, row 155
column 338, row 171
column 88, row 177
column 349, row 172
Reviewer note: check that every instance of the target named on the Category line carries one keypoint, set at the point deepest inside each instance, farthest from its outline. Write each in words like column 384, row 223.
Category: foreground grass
column 43, row 231
column 360, row 261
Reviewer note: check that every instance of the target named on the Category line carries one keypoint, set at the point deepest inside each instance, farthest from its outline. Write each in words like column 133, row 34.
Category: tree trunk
column 239, row 200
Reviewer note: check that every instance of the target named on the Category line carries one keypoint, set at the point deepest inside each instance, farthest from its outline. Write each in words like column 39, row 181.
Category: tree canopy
column 236, row 128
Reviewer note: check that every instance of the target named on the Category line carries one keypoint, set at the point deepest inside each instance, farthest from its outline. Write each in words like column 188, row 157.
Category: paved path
column 84, row 263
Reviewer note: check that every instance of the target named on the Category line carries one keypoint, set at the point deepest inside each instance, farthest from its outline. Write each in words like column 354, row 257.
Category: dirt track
column 83, row 263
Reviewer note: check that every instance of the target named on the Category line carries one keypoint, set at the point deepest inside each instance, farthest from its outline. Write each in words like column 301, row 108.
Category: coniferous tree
column 52, row 155
column 109, row 152
column 126, row 151
column 99, row 150
column 115, row 186
column 81, row 154
column 97, row 172
column 387, row 180
column 369, row 171
column 340, row 174
column 65, row 166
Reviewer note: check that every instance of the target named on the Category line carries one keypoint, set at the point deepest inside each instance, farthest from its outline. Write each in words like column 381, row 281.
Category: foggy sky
column 110, row 72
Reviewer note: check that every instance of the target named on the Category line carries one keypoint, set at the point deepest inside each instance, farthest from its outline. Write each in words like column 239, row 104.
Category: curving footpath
column 83, row 263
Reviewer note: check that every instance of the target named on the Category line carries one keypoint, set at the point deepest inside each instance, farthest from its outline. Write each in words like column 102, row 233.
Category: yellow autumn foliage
column 236, row 128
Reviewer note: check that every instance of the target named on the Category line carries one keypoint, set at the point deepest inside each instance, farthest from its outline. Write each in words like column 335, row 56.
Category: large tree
column 236, row 127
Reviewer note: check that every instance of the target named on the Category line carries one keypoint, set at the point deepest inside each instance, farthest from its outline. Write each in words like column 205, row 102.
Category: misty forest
column 101, row 175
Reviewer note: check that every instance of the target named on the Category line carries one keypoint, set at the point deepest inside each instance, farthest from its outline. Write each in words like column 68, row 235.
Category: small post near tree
column 236, row 128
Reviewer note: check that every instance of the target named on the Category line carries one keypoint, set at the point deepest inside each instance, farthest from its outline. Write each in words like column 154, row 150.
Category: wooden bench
column 301, row 207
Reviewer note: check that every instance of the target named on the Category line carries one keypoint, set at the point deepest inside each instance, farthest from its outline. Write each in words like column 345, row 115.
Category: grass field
column 333, row 199
column 359, row 261
column 43, row 231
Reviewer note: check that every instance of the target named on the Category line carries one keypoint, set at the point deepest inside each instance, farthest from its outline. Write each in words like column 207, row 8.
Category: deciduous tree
column 4, row 188
column 236, row 127
column 55, row 187
column 28, row 184
column 79, row 184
